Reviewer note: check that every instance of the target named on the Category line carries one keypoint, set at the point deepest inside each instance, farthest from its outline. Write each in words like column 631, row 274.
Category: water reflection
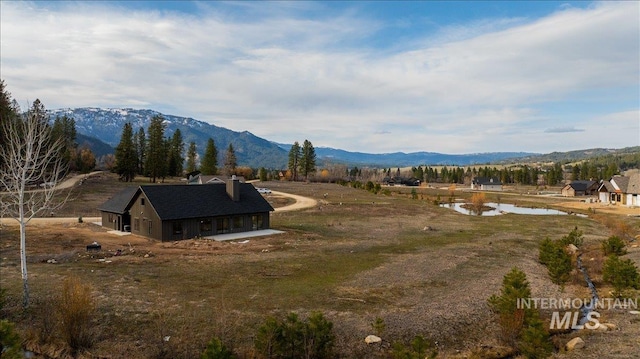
column 504, row 208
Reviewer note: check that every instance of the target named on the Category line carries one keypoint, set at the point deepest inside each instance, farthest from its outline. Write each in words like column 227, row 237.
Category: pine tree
column 294, row 160
column 141, row 149
column 192, row 155
column 64, row 128
column 7, row 112
column 521, row 326
column 176, row 149
column 126, row 160
column 230, row 161
column 209, row 163
column 155, row 162
column 307, row 159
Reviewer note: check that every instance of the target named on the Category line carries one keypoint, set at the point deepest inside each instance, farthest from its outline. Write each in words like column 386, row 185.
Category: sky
column 439, row 76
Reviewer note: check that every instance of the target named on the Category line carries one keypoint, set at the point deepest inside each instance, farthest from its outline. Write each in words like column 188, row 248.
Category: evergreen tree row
column 158, row 157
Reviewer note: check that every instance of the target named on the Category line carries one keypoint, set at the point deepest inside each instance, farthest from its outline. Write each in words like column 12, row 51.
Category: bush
column 613, row 245
column 574, row 237
column 9, row 341
column 621, row 274
column 521, row 328
column 76, row 309
column 217, row 350
column 555, row 257
column 418, row 349
column 535, row 342
column 293, row 338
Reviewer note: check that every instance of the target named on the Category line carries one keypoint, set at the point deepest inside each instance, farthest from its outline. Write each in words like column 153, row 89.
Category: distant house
column 208, row 179
column 402, row 181
column 174, row 212
column 580, row 188
column 624, row 190
column 486, row 184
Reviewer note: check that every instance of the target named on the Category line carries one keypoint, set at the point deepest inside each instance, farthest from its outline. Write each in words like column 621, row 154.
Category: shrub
column 574, row 237
column 558, row 261
column 418, row 349
column 379, row 326
column 477, row 202
column 76, row 309
column 621, row 274
column 613, row 245
column 535, row 341
column 293, row 338
column 217, row 350
column 521, row 328
column 9, row 341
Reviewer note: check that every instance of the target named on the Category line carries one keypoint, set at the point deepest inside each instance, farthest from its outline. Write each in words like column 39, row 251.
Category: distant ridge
column 101, row 128
column 106, row 124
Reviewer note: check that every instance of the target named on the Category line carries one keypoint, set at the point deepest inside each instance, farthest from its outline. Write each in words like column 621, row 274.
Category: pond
column 504, row 208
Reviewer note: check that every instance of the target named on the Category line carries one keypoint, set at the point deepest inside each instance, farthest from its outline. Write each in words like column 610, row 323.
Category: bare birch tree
column 32, row 166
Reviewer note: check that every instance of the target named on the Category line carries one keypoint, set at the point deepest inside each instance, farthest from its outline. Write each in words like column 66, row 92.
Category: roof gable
column 582, row 185
column 633, row 187
column 120, row 202
column 184, row 201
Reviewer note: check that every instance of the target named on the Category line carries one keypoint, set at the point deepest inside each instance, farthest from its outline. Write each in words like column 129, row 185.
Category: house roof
column 119, row 203
column 620, row 183
column 184, row 201
column 582, row 185
column 607, row 186
column 206, row 179
column 633, row 187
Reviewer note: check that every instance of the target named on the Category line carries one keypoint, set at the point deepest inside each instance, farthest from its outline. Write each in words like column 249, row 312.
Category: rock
column 602, row 327
column 575, row 343
column 372, row 339
column 634, row 312
column 52, row 261
column 610, row 326
column 572, row 249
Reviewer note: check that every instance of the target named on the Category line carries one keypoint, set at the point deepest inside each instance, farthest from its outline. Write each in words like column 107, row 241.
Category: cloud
column 563, row 130
column 288, row 73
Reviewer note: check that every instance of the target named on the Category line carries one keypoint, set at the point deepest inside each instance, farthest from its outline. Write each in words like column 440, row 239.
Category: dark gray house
column 174, row 212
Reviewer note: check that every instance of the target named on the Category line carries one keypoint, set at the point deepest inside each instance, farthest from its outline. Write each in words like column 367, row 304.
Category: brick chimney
column 233, row 188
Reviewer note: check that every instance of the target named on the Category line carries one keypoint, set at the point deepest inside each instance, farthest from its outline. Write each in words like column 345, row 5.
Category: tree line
column 75, row 157
column 153, row 155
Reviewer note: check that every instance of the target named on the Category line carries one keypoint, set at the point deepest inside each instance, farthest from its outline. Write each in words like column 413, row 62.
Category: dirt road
column 301, row 202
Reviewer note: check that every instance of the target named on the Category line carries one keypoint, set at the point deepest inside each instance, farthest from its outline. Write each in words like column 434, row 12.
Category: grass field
column 357, row 256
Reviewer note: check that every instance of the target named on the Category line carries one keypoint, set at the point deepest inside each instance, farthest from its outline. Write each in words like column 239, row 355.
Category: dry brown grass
column 355, row 257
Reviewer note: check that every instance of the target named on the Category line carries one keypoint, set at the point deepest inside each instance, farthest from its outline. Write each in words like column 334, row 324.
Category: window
column 205, row 225
column 150, row 226
column 177, row 227
column 142, row 201
column 222, row 225
column 256, row 222
column 238, row 222
column 136, row 224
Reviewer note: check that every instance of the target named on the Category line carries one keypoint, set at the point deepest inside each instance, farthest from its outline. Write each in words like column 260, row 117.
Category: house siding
column 148, row 220
column 190, row 228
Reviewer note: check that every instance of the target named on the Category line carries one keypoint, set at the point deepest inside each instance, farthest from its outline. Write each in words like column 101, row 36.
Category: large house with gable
column 580, row 188
column 624, row 190
column 486, row 184
column 174, row 212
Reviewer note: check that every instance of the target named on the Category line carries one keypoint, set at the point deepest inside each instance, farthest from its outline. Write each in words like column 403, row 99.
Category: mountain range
column 101, row 128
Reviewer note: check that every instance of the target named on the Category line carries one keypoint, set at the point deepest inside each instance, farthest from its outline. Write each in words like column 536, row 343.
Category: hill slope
column 107, row 125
